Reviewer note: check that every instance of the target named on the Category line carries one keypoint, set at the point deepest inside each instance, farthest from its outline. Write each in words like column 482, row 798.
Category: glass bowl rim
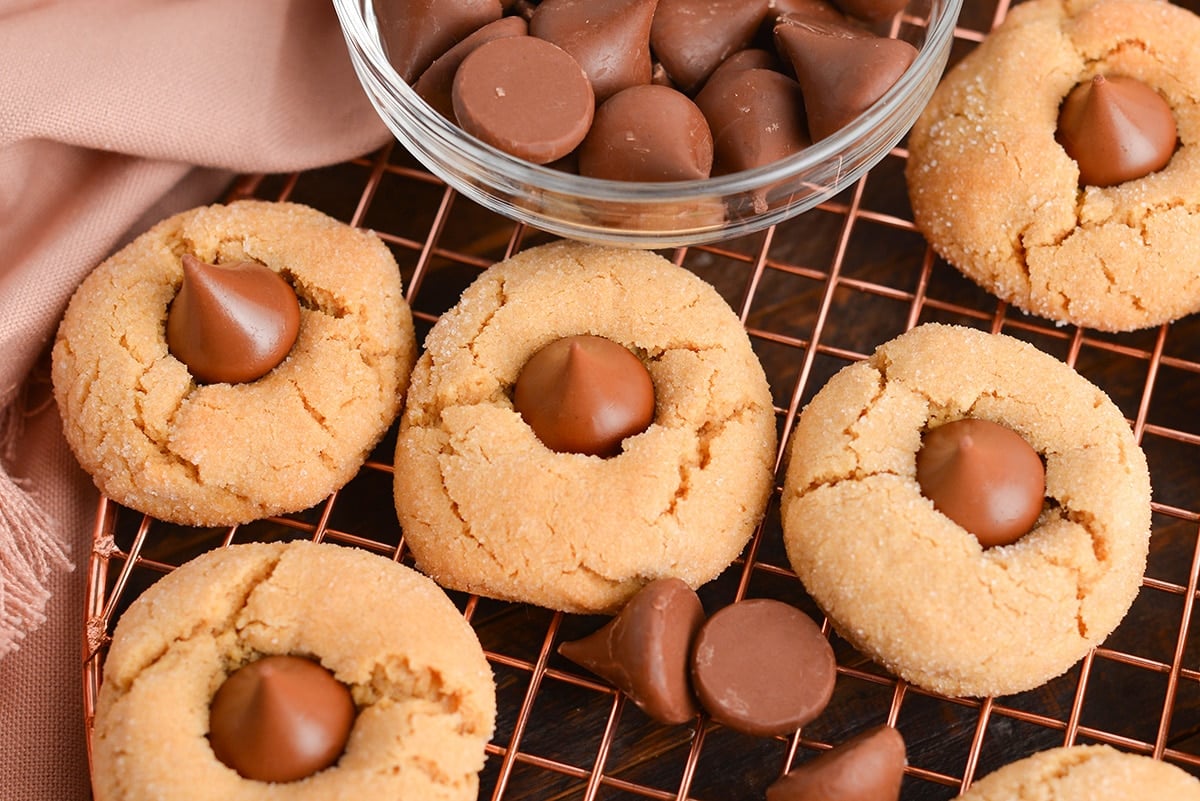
column 812, row 159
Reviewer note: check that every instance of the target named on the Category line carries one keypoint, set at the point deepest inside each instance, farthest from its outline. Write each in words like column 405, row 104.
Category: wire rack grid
column 814, row 294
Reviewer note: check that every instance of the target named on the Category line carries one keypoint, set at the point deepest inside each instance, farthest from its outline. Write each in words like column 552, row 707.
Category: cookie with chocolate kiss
column 254, row 671
column 487, row 506
column 902, row 581
column 1037, row 200
column 264, row 347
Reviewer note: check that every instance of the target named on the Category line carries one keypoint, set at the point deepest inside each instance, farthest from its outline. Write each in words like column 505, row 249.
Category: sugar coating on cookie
column 159, row 441
column 1085, row 773
column 914, row 590
column 999, row 198
column 423, row 691
column 488, row 508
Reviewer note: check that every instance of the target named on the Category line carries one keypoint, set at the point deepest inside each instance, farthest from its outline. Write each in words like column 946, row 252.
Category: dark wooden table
column 815, row 293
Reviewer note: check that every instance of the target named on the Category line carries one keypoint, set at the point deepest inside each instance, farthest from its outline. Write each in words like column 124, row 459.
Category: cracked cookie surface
column 1084, row 773
column 423, row 691
column 999, row 198
column 911, row 588
column 157, row 441
column 487, row 508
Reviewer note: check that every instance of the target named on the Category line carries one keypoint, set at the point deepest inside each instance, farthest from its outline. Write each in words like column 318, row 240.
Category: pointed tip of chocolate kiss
column 692, row 37
column 841, row 70
column 609, row 38
column 867, row 767
column 644, row 651
column 1117, row 129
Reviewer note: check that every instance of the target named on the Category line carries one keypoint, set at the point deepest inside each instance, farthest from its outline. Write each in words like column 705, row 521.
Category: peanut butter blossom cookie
column 969, row 511
column 1084, row 773
column 292, row 671
column 1058, row 164
column 233, row 362
column 585, row 420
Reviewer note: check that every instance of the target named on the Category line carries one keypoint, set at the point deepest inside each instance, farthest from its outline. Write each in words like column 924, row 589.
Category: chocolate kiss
column 585, row 394
column 644, row 650
column 983, row 476
column 231, row 322
column 867, row 767
column 691, row 37
column 647, row 133
column 872, row 10
column 841, row 72
column 756, row 117
column 609, row 38
column 436, row 84
column 762, row 667
column 415, row 32
column 752, row 58
column 1116, row 129
column 280, row 719
column 804, row 9
column 525, row 96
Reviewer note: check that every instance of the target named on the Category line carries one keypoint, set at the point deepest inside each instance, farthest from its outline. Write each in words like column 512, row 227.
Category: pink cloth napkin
column 112, row 116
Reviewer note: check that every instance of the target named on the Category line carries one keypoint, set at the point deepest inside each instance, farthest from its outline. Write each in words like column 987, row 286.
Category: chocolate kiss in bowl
column 842, row 71
column 872, row 10
column 609, row 38
column 756, row 117
column 647, row 133
column 436, row 84
column 415, row 32
column 525, row 96
column 811, row 9
column 644, row 650
column 691, row 37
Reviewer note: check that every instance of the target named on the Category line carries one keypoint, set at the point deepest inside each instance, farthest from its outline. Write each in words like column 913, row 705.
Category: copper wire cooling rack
column 814, row 293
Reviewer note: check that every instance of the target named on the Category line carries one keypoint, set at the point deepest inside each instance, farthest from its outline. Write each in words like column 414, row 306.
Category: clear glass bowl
column 655, row 215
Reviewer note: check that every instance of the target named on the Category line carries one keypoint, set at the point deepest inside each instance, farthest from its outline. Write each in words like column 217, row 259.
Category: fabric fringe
column 29, row 548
